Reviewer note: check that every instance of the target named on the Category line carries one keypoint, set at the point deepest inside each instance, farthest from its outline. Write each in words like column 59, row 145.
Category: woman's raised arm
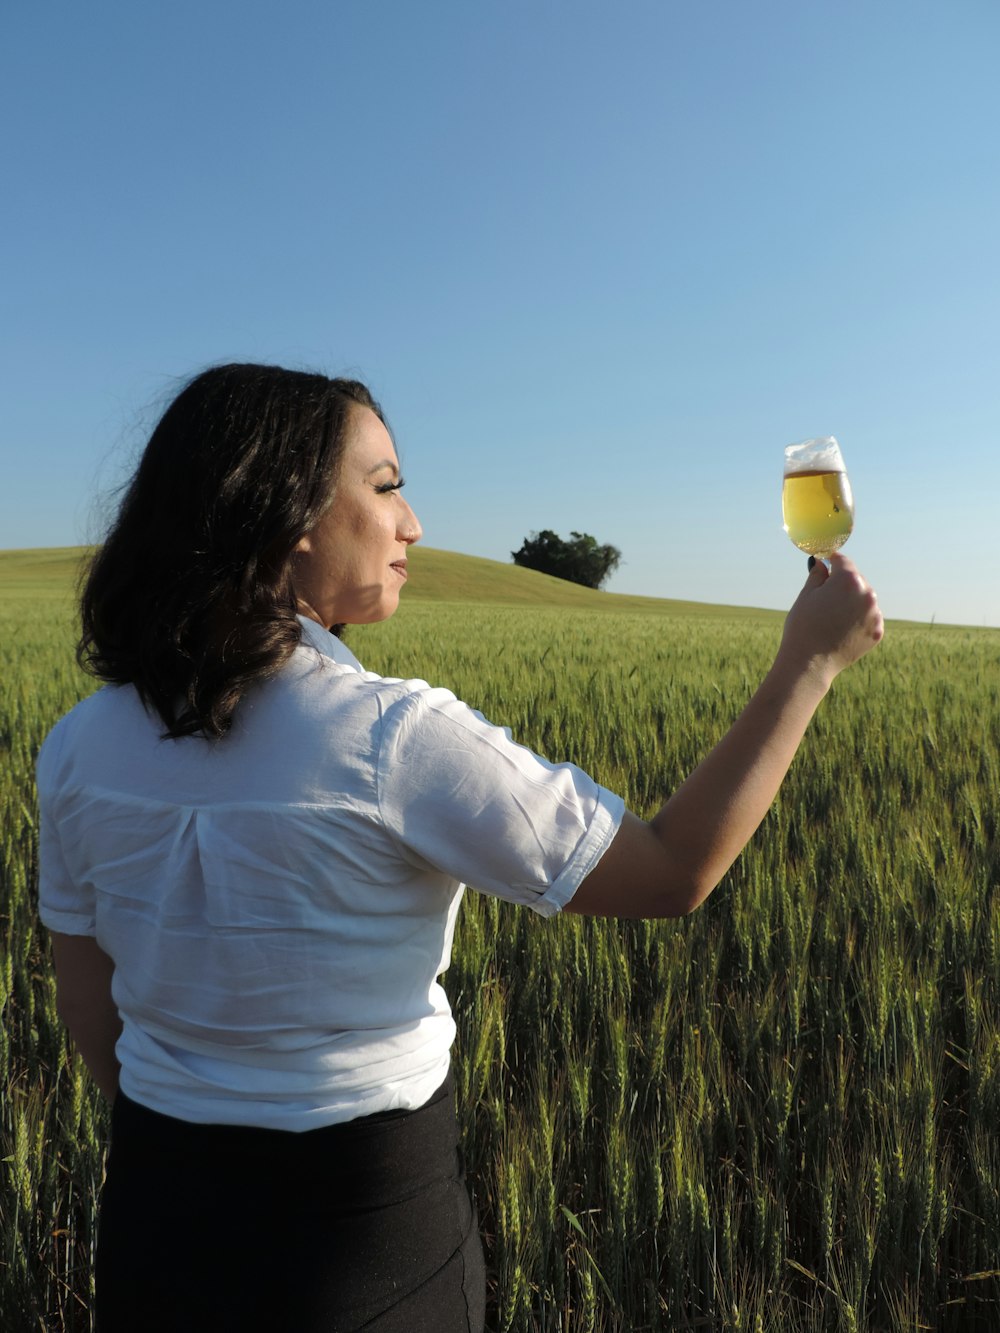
column 668, row 866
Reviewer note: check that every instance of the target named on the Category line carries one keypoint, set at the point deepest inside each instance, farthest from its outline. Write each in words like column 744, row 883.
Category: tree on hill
column 580, row 560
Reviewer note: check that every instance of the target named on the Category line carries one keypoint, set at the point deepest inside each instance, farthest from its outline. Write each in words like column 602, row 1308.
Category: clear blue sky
column 600, row 262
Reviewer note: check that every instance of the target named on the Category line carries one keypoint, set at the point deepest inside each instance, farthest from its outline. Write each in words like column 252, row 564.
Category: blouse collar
column 328, row 644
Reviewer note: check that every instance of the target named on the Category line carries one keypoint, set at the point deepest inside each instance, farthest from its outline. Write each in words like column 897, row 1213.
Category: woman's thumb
column 818, row 574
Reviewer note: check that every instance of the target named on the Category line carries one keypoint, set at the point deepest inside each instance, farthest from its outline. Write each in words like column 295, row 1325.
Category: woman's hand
column 834, row 621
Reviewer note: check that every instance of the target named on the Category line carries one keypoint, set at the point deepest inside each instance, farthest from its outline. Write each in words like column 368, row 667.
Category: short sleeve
column 63, row 905
column 459, row 794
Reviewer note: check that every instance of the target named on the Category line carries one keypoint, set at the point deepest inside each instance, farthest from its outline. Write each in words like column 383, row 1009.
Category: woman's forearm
column 708, row 821
column 83, row 999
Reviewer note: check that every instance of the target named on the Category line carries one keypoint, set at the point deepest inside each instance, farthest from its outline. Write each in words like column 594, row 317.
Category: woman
column 253, row 853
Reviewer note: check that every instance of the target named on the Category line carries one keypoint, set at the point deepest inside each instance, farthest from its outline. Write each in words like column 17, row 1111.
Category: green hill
column 47, row 570
column 435, row 576
column 445, row 576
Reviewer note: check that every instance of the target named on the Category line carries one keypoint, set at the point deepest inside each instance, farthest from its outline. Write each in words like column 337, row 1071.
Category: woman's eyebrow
column 385, row 463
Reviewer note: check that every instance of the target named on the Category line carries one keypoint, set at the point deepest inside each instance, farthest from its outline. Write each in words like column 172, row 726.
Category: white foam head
column 821, row 454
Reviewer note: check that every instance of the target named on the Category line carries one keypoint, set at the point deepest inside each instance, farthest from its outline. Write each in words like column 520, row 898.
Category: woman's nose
column 409, row 527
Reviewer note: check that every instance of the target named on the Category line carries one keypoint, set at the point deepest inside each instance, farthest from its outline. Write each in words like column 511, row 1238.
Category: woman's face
column 349, row 569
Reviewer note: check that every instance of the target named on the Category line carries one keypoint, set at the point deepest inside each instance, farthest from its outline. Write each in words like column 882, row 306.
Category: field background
column 780, row 1113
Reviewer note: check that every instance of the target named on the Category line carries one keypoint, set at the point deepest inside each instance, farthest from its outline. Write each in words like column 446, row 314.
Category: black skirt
column 364, row 1225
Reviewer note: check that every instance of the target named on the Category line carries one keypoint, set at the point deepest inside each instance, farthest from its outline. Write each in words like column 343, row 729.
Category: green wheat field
column 780, row 1113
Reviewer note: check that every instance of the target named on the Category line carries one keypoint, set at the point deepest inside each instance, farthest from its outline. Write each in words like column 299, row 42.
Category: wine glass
column 816, row 499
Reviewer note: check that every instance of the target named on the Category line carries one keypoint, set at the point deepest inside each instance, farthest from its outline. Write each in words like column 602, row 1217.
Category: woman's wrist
column 810, row 672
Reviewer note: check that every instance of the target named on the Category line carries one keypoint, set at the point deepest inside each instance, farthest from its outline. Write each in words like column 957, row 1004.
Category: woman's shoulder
column 98, row 714
column 325, row 667
column 321, row 682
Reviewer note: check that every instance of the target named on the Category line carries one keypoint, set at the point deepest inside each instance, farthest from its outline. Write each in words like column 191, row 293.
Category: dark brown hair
column 190, row 597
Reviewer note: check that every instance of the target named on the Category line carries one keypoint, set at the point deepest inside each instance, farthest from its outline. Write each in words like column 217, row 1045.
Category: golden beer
column 818, row 509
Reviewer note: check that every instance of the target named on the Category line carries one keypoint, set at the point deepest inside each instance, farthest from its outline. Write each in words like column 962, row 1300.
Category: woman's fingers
column 836, row 616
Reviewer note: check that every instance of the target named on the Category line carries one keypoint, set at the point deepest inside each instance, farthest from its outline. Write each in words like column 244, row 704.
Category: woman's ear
column 303, row 545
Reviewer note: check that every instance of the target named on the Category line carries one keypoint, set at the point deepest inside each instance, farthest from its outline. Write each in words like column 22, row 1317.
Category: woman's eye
column 388, row 486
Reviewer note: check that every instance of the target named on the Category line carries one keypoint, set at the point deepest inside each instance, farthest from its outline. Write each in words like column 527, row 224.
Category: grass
column 777, row 1114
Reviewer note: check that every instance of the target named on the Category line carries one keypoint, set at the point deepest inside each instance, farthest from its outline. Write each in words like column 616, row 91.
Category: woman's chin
column 372, row 615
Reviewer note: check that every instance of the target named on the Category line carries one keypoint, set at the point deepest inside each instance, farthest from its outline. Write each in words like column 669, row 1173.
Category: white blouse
column 279, row 904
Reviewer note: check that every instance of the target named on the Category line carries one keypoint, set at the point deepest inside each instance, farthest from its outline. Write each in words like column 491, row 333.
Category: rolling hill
column 435, row 576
